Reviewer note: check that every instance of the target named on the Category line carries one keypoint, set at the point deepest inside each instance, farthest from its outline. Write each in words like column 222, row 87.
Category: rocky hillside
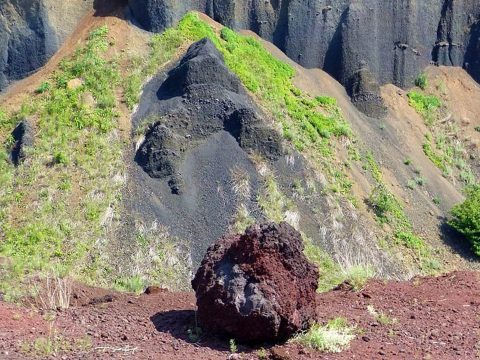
column 130, row 153
column 395, row 41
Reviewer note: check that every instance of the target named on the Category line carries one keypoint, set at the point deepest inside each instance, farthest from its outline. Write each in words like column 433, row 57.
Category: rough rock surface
column 31, row 31
column 395, row 39
column 23, row 136
column 258, row 286
column 365, row 94
column 201, row 97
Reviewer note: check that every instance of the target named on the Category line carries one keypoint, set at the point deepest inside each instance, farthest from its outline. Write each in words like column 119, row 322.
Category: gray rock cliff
column 395, row 39
column 31, row 31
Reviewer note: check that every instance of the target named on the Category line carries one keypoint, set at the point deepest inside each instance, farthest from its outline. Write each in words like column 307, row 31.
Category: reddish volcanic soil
column 435, row 318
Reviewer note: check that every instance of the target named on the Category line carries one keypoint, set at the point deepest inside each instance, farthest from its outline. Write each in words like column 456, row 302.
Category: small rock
column 279, row 354
column 365, row 338
column 155, row 290
column 87, row 99
column 74, row 84
column 101, row 300
column 234, row 357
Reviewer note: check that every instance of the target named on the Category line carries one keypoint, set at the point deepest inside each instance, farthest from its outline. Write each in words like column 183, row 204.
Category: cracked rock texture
column 258, row 286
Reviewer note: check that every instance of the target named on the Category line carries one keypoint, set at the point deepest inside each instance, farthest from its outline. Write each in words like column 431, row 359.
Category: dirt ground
column 429, row 318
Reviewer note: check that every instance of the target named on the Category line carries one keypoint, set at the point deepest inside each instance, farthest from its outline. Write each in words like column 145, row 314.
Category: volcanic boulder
column 258, row 286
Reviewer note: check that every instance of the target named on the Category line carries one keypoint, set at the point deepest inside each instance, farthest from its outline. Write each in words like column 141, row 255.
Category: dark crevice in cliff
column 281, row 31
column 472, row 56
column 334, row 55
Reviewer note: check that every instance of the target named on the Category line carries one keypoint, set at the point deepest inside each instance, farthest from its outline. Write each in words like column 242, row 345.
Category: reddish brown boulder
column 258, row 286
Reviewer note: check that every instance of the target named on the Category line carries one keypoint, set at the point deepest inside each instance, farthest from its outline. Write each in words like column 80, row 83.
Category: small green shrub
column 410, row 240
column 386, row 206
column 333, row 337
column 381, row 317
column 358, row 276
column 466, row 217
column 233, row 346
column 427, row 106
column 134, row 284
column 421, row 81
column 44, row 87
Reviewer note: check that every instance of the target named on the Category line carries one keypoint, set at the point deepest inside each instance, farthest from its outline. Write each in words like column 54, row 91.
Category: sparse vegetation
column 389, row 211
column 233, row 346
column 421, row 81
column 442, row 146
column 466, row 217
column 331, row 273
column 335, row 336
column 358, row 275
column 426, row 105
column 63, row 232
column 273, row 202
column 54, row 344
column 381, row 317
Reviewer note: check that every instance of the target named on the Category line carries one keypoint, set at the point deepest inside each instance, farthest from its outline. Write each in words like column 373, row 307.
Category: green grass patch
column 46, row 226
column 426, row 105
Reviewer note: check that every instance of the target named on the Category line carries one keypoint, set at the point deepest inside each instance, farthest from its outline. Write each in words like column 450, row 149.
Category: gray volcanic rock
column 365, row 93
column 199, row 98
column 396, row 39
column 23, row 136
column 258, row 286
column 31, row 31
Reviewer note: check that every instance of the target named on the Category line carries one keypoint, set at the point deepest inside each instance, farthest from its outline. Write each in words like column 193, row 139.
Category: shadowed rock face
column 395, row 39
column 258, row 286
column 31, row 31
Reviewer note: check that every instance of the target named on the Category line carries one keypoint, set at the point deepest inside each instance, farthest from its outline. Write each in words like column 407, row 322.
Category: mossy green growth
column 466, row 217
column 426, row 105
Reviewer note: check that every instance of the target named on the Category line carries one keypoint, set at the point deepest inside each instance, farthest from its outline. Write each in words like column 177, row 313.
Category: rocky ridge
column 392, row 40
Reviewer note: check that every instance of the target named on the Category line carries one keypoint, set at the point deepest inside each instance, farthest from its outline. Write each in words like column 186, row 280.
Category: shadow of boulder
column 457, row 241
column 181, row 324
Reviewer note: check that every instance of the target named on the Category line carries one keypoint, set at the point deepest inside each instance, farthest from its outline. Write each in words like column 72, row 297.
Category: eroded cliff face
column 393, row 39
column 31, row 31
